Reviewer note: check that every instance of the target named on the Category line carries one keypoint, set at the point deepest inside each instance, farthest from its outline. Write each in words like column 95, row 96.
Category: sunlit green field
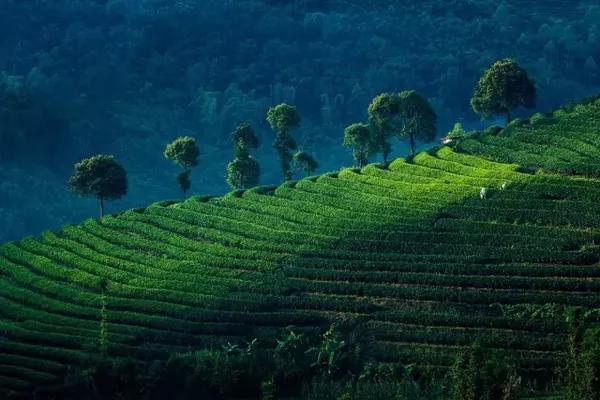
column 413, row 252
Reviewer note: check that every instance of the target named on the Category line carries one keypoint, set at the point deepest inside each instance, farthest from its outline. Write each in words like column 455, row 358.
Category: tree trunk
column 101, row 206
column 508, row 117
column 412, row 145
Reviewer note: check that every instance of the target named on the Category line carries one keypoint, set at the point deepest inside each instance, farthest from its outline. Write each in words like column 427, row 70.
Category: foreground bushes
column 583, row 364
column 475, row 377
column 252, row 370
column 333, row 366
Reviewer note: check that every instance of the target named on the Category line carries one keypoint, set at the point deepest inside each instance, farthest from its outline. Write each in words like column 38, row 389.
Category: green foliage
column 418, row 119
column 183, row 151
column 406, row 115
column 232, row 371
column 379, row 372
column 103, row 378
column 476, row 374
column 562, row 144
column 103, row 334
column 184, row 91
column 385, row 119
column 539, row 118
column 408, row 254
column 331, row 353
column 284, row 118
column 457, row 131
column 305, row 162
column 245, row 134
column 283, row 144
column 290, row 354
column 590, row 364
column 268, row 390
column 513, row 386
column 502, row 88
column 244, row 171
column 358, row 138
column 99, row 176
column 583, row 363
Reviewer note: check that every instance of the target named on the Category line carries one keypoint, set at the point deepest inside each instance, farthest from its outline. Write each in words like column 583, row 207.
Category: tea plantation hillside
column 413, row 253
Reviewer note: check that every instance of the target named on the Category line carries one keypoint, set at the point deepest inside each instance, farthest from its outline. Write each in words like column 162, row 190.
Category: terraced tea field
column 412, row 252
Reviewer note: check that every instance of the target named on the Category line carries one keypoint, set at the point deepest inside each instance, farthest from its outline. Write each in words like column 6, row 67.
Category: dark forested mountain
column 126, row 77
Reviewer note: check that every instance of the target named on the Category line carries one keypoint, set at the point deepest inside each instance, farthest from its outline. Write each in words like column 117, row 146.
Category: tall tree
column 305, row 162
column 184, row 152
column 245, row 133
column 418, row 119
column 358, row 138
column 243, row 171
column 101, row 177
column 385, row 120
column 502, row 88
column 284, row 118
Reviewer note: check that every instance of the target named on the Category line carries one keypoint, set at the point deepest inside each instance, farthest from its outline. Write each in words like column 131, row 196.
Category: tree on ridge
column 99, row 176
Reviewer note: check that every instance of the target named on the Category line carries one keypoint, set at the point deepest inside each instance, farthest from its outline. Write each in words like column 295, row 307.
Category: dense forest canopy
column 126, row 77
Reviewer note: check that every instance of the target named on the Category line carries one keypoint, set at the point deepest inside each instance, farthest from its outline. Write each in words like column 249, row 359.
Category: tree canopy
column 184, row 152
column 502, row 88
column 99, row 176
column 283, row 118
column 384, row 117
column 358, row 138
column 418, row 119
column 244, row 171
column 246, row 134
column 403, row 115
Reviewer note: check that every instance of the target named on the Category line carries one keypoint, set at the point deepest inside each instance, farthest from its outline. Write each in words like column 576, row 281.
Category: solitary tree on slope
column 184, row 152
column 385, row 120
column 244, row 170
column 284, row 118
column 358, row 138
column 502, row 88
column 418, row 119
column 99, row 176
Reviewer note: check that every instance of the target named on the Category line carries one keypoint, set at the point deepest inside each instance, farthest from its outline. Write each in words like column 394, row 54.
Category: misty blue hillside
column 461, row 243
column 125, row 77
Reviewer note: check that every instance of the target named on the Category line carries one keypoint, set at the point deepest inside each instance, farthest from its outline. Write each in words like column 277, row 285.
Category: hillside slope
column 411, row 252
